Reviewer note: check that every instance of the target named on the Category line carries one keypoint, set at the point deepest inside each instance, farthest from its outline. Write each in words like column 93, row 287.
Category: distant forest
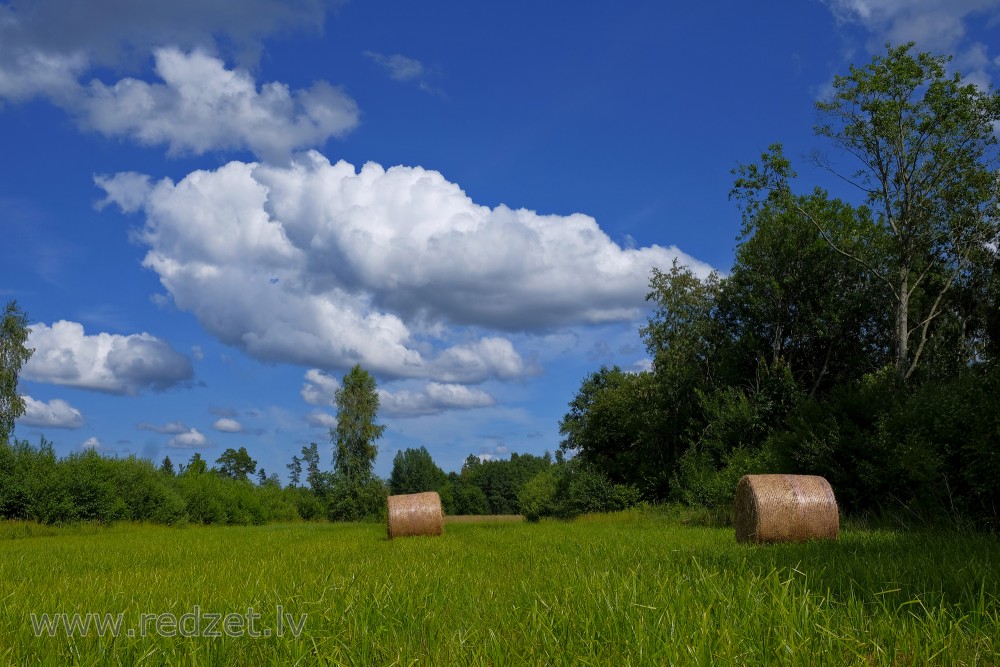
column 854, row 340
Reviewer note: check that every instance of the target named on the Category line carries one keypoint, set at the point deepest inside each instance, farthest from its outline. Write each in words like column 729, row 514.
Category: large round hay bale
column 785, row 508
column 415, row 514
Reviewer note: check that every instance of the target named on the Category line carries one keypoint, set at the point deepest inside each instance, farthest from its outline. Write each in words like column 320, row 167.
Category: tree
column 13, row 354
column 925, row 145
column 310, row 457
column 167, row 466
column 610, row 425
column 414, row 471
column 236, row 464
column 294, row 471
column 682, row 336
column 356, row 431
column 791, row 298
column 538, row 495
column 196, row 466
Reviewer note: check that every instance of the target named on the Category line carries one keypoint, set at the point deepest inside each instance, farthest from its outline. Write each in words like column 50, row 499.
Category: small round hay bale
column 785, row 508
column 415, row 514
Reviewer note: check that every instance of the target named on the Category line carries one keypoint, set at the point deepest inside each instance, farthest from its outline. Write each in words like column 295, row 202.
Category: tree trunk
column 902, row 325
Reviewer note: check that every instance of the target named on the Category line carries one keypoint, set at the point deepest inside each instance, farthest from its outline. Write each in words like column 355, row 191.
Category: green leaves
column 356, row 431
column 13, row 354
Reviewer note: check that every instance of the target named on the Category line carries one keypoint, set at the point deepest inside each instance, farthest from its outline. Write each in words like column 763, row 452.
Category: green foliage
column 414, row 471
column 13, row 354
column 357, row 500
column 356, row 431
column 295, row 471
column 310, row 461
column 196, row 466
column 941, row 443
column 236, row 464
column 926, row 148
column 500, row 481
column 470, row 499
column 583, row 489
column 167, row 466
column 792, row 298
column 834, row 437
column 614, row 424
column 538, row 496
column 858, row 342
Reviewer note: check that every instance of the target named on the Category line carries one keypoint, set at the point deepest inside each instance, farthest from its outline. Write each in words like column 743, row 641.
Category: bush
column 582, row 489
column 537, row 497
column 359, row 501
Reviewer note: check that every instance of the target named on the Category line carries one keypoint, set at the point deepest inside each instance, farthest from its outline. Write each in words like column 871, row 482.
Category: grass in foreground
column 620, row 589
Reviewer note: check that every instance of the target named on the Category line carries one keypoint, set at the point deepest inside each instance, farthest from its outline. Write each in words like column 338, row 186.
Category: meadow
column 623, row 589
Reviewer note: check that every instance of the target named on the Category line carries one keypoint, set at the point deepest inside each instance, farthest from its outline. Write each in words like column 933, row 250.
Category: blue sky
column 211, row 209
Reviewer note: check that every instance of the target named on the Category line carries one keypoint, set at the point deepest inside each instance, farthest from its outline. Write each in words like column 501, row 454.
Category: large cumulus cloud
column 323, row 265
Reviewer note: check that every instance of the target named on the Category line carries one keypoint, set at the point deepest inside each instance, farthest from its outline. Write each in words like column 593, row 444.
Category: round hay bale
column 415, row 514
column 785, row 508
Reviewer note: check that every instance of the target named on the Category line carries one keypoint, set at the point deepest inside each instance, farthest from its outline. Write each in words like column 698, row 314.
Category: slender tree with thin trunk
column 13, row 354
column 925, row 147
column 356, row 431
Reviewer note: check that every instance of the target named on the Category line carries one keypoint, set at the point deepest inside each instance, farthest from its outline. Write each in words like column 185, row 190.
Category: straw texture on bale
column 415, row 514
column 785, row 508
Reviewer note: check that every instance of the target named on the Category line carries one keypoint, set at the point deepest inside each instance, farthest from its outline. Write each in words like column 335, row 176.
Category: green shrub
column 537, row 497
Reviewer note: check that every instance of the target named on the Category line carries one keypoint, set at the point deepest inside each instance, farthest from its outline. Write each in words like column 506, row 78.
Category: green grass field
column 609, row 590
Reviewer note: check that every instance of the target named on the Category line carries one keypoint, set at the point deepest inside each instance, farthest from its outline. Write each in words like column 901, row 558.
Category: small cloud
column 399, row 67
column 170, row 428
column 188, row 440
column 57, row 413
column 227, row 425
column 641, row 365
column 160, row 300
column 222, row 412
column 197, row 353
column 321, row 419
column 403, row 68
column 93, row 443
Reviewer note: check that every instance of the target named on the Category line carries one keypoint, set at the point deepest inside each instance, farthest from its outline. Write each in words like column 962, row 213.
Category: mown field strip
column 626, row 589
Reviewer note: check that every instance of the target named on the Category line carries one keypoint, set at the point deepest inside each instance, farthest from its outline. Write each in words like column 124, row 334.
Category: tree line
column 857, row 341
column 37, row 485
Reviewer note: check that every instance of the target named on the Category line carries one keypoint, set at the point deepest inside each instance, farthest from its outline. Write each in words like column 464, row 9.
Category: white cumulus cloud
column 323, row 265
column 56, row 413
column 66, row 355
column 202, row 106
column 188, row 440
column 433, row 398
